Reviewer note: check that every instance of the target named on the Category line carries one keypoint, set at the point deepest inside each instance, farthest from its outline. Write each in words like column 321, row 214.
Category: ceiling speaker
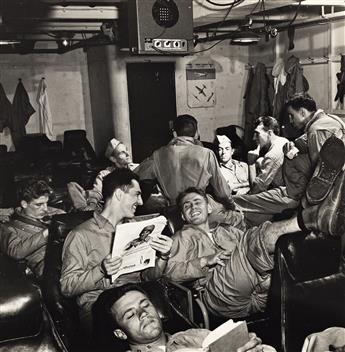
column 158, row 26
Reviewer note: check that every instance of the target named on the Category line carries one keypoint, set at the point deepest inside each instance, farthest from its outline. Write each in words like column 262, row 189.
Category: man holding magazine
column 87, row 263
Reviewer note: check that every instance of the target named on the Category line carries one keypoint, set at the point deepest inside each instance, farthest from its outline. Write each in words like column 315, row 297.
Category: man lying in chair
column 131, row 316
column 87, row 265
column 233, row 266
column 25, row 236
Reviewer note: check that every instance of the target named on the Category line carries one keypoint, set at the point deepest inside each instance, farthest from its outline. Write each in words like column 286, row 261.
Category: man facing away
column 132, row 317
column 183, row 163
column 118, row 155
column 233, row 266
column 87, row 265
column 235, row 172
column 25, row 236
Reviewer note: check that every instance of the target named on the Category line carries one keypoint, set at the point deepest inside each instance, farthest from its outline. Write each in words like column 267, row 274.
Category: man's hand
column 290, row 150
column 162, row 244
column 45, row 233
column 111, row 265
column 253, row 345
column 253, row 155
column 215, row 259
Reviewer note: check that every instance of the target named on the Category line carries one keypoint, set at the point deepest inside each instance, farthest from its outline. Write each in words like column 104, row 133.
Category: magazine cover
column 132, row 243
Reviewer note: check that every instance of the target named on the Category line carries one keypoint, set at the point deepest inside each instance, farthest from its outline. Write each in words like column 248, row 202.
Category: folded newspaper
column 132, row 243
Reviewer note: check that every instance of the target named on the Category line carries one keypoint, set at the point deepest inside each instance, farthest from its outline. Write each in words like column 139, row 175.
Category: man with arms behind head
column 25, row 236
column 87, row 265
column 232, row 265
column 132, row 317
column 118, row 155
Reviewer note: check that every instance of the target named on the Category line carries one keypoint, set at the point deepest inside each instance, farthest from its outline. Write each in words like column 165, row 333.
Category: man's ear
column 23, row 204
column 118, row 193
column 304, row 112
column 120, row 334
column 182, row 216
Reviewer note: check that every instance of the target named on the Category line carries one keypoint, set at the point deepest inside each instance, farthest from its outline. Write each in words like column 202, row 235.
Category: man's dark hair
column 302, row 101
column 197, row 190
column 185, row 125
column 103, row 319
column 33, row 188
column 269, row 123
column 119, row 178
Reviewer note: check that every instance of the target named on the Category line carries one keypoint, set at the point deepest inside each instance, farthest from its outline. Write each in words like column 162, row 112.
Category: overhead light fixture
column 245, row 37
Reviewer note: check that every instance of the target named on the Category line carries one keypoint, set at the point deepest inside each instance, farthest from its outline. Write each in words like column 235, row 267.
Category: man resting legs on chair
column 231, row 264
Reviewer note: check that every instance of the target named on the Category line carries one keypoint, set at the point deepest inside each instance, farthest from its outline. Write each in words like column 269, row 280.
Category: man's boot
column 331, row 162
column 329, row 216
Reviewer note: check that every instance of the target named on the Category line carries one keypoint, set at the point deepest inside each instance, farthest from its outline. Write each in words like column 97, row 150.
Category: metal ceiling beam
column 70, row 13
column 79, row 27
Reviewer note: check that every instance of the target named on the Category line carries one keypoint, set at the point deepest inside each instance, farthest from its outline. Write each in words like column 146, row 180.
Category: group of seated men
column 222, row 247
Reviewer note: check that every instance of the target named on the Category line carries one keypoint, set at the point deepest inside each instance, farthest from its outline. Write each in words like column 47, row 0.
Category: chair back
column 76, row 146
column 308, row 287
column 25, row 325
column 64, row 311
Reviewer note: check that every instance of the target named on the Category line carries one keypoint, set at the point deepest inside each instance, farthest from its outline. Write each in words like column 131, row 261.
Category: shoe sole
column 339, row 228
column 332, row 159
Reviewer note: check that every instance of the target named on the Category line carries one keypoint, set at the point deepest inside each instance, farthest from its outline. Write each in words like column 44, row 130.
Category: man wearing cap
column 120, row 158
column 235, row 172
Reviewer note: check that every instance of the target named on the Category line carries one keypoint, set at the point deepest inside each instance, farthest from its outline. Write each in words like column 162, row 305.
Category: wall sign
column 201, row 85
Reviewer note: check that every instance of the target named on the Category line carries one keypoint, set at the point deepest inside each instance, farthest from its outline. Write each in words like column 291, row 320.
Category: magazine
column 132, row 243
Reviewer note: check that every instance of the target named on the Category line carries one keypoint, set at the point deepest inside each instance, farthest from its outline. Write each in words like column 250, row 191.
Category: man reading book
column 87, row 265
column 233, row 266
column 130, row 315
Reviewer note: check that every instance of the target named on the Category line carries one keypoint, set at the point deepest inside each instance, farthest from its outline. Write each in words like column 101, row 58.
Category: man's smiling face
column 195, row 209
column 131, row 199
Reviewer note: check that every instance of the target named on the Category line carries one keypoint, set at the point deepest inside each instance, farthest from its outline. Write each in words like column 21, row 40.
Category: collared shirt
column 270, row 174
column 237, row 289
column 84, row 249
column 184, row 163
column 236, row 175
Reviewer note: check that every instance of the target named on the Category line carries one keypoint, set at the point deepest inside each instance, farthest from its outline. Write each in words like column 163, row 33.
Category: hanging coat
column 295, row 83
column 6, row 110
column 22, row 111
column 341, row 78
column 45, row 115
column 257, row 100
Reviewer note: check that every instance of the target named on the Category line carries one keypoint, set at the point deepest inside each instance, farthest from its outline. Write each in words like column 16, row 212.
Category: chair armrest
column 20, row 303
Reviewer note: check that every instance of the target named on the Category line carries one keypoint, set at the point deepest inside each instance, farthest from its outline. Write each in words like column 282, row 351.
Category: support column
column 118, row 94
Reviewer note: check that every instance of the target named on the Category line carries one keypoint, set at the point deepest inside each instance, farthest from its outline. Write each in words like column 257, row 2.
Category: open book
column 227, row 337
column 132, row 243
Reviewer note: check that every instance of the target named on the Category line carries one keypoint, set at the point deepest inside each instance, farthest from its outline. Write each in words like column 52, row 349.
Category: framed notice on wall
column 201, row 85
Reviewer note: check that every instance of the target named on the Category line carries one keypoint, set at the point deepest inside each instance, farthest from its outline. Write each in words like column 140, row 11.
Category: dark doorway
column 152, row 104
